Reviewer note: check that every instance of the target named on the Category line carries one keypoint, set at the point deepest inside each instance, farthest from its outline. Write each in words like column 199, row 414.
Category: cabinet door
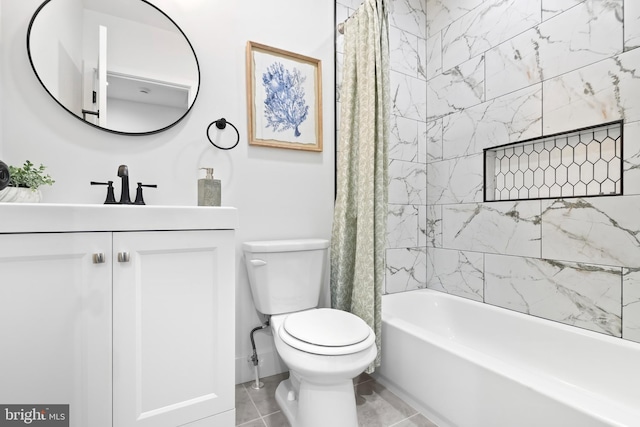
column 55, row 323
column 173, row 326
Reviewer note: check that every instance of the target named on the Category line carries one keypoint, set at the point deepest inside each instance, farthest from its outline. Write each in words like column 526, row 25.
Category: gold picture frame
column 284, row 98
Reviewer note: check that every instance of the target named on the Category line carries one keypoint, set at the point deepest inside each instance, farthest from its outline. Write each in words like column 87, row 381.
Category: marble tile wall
column 501, row 71
column 411, row 141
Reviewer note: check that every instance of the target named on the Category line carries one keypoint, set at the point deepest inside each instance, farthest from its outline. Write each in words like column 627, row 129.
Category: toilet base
column 318, row 405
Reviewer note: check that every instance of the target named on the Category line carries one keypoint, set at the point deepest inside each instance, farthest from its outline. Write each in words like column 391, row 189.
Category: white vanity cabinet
column 55, row 324
column 132, row 326
column 173, row 305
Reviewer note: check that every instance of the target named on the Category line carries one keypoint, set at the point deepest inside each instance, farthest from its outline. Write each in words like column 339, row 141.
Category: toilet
column 323, row 348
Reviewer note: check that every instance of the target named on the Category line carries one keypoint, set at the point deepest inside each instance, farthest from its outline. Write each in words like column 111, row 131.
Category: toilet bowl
column 323, row 348
column 320, row 391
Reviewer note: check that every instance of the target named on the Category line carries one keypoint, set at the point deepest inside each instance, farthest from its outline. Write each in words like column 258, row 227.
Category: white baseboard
column 269, row 363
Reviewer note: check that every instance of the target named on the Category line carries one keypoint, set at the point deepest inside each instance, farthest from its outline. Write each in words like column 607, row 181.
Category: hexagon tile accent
column 583, row 162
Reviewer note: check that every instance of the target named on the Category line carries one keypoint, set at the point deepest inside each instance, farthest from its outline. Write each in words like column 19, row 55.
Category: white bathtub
column 468, row 364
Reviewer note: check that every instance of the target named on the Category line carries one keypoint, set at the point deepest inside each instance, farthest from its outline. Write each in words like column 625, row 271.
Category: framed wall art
column 284, row 98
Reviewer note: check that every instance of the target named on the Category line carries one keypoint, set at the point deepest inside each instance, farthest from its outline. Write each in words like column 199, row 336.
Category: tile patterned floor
column 377, row 406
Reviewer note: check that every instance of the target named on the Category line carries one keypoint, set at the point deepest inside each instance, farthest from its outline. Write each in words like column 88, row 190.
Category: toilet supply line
column 254, row 357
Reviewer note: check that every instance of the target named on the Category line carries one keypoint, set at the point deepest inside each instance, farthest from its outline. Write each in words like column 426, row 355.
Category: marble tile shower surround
column 458, row 273
column 585, row 295
column 494, row 253
column 503, row 71
column 612, row 236
column 584, row 34
column 408, row 16
column 457, row 88
column 406, row 269
column 407, row 141
column 632, row 27
column 513, row 117
column 594, row 94
column 502, row 228
column 406, row 183
column 631, row 306
column 441, row 13
column 407, row 96
column 402, row 226
column 456, row 180
column 551, row 8
column 631, row 163
column 470, row 36
column 433, row 143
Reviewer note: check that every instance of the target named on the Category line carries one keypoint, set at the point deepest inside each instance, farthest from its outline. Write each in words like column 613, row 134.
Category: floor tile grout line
column 403, row 420
column 270, row 413
column 252, row 421
column 254, row 405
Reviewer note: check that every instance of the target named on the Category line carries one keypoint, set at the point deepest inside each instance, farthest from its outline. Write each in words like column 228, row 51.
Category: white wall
column 279, row 193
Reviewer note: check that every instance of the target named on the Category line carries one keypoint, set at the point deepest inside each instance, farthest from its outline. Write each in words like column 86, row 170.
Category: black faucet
column 123, row 172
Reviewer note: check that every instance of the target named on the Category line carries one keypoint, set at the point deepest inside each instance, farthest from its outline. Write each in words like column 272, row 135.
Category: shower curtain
column 360, row 216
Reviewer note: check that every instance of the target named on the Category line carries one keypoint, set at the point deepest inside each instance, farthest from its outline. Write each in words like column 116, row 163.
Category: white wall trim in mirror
column 123, row 66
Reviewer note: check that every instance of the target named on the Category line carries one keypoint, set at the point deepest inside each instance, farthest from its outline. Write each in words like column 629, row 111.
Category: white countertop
column 51, row 217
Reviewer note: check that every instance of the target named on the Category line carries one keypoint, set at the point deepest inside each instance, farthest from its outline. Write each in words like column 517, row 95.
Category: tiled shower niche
column 584, row 162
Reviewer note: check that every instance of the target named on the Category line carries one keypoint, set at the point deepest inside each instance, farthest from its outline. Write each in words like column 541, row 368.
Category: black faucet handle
column 111, row 198
column 139, row 198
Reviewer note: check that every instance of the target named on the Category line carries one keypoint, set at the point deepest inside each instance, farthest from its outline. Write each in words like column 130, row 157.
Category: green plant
column 29, row 176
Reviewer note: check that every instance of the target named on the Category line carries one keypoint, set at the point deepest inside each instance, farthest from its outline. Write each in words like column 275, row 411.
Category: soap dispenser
column 209, row 190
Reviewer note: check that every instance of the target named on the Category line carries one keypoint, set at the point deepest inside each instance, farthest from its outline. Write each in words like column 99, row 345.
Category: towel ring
column 222, row 124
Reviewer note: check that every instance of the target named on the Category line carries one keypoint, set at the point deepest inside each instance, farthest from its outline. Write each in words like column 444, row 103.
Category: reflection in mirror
column 120, row 65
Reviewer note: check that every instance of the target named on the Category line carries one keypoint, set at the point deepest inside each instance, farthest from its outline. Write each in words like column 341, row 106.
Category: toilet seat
column 326, row 331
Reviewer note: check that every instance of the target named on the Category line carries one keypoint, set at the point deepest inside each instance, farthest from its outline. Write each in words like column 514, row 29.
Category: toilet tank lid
column 285, row 245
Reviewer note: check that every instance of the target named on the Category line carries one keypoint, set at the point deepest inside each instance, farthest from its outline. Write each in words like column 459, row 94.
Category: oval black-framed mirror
column 123, row 66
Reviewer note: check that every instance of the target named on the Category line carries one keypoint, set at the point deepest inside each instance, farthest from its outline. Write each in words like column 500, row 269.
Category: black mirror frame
column 195, row 57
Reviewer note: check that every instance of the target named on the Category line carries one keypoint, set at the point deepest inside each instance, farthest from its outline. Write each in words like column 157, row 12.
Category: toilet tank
column 286, row 275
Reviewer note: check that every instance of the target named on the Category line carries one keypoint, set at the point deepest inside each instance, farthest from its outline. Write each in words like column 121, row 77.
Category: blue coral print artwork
column 284, row 99
column 285, row 105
